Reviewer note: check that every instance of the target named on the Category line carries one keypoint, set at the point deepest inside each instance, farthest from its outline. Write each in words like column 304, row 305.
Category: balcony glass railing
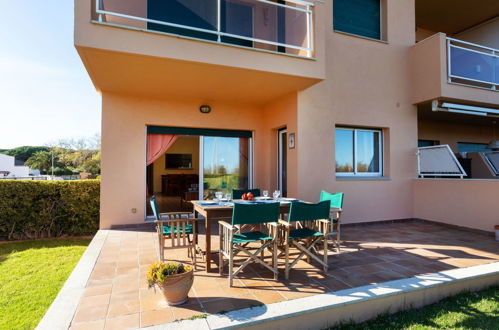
column 473, row 65
column 272, row 25
column 492, row 159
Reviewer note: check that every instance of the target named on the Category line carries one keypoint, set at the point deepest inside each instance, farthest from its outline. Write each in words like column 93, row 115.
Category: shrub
column 159, row 272
column 37, row 209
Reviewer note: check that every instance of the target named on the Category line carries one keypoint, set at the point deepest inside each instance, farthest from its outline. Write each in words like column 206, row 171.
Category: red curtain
column 158, row 144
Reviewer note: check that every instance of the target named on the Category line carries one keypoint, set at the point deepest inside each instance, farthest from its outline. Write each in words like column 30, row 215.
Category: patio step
column 356, row 304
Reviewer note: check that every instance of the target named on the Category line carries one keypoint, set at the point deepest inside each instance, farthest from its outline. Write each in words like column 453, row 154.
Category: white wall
column 7, row 163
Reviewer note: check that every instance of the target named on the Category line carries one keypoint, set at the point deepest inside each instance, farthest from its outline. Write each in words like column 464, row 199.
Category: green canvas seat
column 303, row 233
column 263, row 221
column 336, row 204
column 307, row 225
column 183, row 224
column 238, row 193
column 253, row 236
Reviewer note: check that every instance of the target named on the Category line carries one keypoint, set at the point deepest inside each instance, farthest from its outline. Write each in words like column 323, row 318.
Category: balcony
column 454, row 70
column 244, row 51
column 268, row 25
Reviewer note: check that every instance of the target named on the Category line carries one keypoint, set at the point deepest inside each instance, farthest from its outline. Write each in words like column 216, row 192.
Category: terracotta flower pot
column 176, row 288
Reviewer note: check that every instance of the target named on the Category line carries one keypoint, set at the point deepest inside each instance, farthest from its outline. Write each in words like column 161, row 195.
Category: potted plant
column 174, row 279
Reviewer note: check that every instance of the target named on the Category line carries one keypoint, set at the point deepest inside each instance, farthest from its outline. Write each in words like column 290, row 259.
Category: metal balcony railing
column 492, row 159
column 270, row 25
column 472, row 65
column 438, row 161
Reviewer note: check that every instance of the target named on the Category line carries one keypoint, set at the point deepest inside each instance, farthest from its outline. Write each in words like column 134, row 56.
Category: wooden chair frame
column 229, row 249
column 335, row 212
column 335, row 221
column 179, row 238
column 306, row 246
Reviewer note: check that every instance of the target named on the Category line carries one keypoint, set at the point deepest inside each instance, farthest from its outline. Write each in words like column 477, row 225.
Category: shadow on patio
column 117, row 293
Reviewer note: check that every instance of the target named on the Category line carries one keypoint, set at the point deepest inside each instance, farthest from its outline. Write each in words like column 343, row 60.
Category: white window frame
column 355, row 173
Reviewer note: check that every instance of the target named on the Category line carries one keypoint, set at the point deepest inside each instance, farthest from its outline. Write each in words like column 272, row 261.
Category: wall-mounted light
column 205, row 109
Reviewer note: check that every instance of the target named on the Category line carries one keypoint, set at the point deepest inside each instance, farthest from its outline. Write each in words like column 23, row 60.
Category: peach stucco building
column 299, row 96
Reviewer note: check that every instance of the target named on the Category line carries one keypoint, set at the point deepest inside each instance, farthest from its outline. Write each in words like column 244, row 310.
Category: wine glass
column 276, row 194
column 265, row 193
column 219, row 195
column 228, row 197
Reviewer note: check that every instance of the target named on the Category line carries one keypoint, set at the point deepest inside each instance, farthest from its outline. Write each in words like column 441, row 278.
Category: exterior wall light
column 205, row 109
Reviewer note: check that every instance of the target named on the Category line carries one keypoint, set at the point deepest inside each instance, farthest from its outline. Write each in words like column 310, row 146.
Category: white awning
column 464, row 109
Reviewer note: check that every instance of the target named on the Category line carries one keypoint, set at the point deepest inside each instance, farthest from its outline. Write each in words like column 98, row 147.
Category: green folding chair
column 238, row 193
column 263, row 219
column 307, row 225
column 336, row 209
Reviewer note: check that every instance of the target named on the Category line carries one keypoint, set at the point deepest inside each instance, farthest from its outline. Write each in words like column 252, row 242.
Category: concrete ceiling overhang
column 454, row 16
column 148, row 76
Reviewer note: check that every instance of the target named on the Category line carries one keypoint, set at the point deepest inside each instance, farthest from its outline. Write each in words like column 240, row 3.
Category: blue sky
column 45, row 92
column 221, row 151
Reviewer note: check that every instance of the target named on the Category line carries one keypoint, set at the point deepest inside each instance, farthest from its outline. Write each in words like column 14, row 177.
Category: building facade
column 9, row 168
column 297, row 96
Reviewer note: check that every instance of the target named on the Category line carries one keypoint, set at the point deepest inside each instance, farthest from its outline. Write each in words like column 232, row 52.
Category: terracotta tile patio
column 117, row 297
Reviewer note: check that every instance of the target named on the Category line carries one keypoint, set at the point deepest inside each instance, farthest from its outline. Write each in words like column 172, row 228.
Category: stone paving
column 117, row 297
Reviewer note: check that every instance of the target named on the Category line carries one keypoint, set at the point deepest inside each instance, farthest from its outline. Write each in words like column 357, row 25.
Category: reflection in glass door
column 225, row 164
column 283, row 161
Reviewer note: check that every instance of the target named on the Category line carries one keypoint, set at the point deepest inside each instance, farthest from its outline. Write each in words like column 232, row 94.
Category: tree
column 71, row 156
column 23, row 153
column 41, row 160
column 78, row 154
column 92, row 165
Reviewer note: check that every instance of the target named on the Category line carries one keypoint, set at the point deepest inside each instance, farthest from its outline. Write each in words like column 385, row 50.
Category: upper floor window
column 359, row 17
column 359, row 152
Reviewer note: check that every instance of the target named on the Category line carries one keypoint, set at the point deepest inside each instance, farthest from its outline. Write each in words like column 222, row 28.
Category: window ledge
column 363, row 178
column 360, row 36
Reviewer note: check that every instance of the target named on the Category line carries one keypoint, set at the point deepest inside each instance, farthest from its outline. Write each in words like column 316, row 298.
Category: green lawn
column 478, row 310
column 219, row 182
column 31, row 275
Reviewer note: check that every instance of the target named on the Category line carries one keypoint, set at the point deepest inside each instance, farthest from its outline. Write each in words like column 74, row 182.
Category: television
column 178, row 161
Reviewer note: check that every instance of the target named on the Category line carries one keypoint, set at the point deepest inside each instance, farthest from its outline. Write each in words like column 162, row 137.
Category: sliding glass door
column 225, row 164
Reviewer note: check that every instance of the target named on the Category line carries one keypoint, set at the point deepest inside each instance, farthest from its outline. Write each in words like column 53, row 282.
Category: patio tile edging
column 61, row 311
column 321, row 302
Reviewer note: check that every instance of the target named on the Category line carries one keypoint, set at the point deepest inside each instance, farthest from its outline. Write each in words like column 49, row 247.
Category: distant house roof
column 18, row 162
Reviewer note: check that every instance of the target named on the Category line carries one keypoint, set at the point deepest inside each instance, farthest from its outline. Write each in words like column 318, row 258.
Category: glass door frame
column 201, row 165
column 282, row 144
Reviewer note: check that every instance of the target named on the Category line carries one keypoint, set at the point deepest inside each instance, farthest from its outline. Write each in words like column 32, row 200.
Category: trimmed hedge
column 37, row 209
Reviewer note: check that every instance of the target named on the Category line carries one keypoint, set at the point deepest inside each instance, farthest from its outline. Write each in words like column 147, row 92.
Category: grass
column 31, row 275
column 476, row 310
column 218, row 182
column 196, row 317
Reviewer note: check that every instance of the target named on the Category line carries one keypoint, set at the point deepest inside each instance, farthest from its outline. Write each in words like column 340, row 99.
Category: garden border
column 62, row 310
